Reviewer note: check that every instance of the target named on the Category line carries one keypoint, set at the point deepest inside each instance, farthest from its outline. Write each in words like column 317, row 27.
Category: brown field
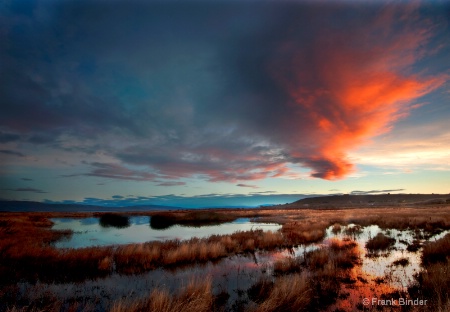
column 309, row 283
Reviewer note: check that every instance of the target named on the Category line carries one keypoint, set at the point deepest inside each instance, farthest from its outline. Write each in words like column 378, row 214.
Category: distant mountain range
column 26, row 206
column 331, row 201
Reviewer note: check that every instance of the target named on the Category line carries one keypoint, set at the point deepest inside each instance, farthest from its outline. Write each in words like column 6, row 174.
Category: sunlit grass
column 27, row 254
column 380, row 242
column 196, row 296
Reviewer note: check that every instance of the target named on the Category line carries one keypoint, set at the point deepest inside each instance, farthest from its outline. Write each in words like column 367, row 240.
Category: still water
column 237, row 273
column 89, row 232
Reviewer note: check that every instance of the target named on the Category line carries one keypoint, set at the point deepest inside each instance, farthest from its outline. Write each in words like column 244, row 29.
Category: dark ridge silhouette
column 387, row 199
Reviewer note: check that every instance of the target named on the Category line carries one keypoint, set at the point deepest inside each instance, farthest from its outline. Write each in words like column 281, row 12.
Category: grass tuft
column 380, row 242
column 437, row 251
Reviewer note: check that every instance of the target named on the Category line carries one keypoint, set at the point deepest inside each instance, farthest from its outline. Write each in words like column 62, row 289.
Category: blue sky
column 201, row 103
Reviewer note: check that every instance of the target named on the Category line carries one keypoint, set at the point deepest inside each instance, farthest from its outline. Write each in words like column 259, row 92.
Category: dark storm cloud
column 12, row 153
column 224, row 90
column 8, row 137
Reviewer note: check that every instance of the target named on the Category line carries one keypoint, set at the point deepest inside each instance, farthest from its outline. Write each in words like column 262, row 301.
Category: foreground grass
column 380, row 242
column 27, row 253
column 196, row 296
column 433, row 282
column 309, row 283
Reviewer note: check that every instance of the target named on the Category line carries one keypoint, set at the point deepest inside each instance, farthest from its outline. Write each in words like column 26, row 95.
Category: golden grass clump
column 433, row 284
column 437, row 251
column 346, row 258
column 354, row 230
column 269, row 239
column 336, row 229
column 380, row 242
column 314, row 289
column 196, row 296
column 304, row 232
column 289, row 293
column 339, row 255
column 137, row 257
column 337, row 244
column 287, row 265
column 317, row 259
column 194, row 250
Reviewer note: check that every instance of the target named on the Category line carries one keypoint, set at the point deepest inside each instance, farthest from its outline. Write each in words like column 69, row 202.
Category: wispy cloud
column 174, row 183
column 116, row 171
column 27, row 189
column 375, row 192
column 411, row 148
column 246, row 185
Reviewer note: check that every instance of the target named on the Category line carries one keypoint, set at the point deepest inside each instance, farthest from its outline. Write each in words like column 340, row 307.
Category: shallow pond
column 375, row 276
column 89, row 232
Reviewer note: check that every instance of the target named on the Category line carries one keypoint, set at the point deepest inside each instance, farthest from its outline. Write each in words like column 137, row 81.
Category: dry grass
column 136, row 258
column 346, row 259
column 353, row 231
column 289, row 293
column 26, row 237
column 196, row 296
column 194, row 251
column 433, row 282
column 340, row 254
column 380, row 242
column 26, row 253
column 287, row 265
column 437, row 251
column 310, row 290
column 317, row 259
column 329, row 266
column 260, row 291
column 336, row 228
column 304, row 232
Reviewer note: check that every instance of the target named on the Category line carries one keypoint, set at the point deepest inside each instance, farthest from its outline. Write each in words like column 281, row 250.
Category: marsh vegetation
column 327, row 255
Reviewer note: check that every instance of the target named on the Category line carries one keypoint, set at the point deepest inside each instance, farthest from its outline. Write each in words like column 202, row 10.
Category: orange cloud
column 348, row 87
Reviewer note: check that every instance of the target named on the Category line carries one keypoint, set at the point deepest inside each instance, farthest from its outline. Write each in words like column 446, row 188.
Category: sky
column 224, row 102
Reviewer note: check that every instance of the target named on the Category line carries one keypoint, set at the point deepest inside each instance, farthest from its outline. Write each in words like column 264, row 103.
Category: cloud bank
column 223, row 92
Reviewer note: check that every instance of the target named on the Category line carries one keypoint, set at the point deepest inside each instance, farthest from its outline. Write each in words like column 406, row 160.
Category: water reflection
column 135, row 229
column 373, row 277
